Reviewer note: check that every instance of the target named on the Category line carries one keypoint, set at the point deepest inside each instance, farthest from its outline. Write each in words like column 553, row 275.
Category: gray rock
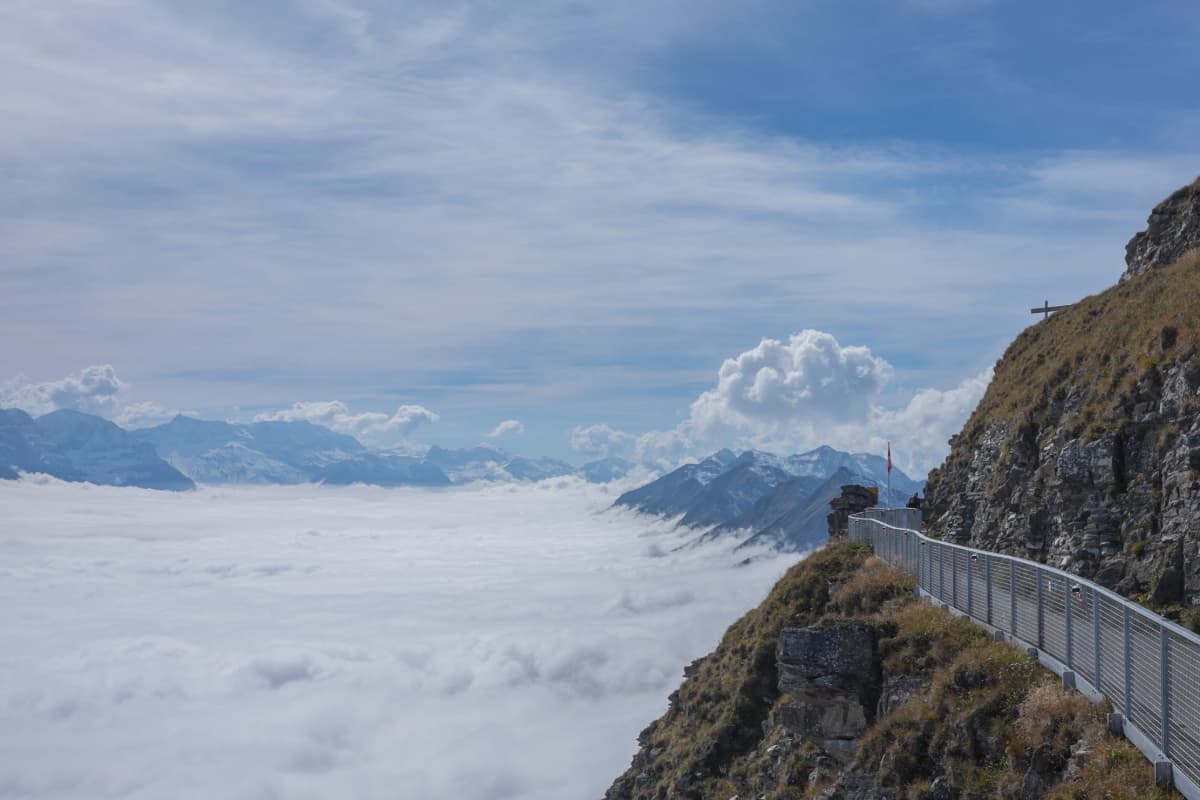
column 808, row 653
column 1172, row 229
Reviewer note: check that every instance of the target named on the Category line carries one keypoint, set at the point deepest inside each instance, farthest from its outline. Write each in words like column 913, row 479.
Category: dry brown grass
column 1100, row 347
column 717, row 714
column 875, row 583
column 926, row 638
column 1114, row 770
column 1051, row 720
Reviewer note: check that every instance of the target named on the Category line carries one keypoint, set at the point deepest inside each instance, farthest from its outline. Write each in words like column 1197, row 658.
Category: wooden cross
column 1046, row 309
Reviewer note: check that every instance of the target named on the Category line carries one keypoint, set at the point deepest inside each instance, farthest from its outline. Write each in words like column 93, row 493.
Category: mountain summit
column 783, row 499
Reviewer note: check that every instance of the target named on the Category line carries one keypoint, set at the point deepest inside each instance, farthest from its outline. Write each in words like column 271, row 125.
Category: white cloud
column 808, row 391
column 810, row 379
column 342, row 643
column 661, row 450
column 509, row 427
column 919, row 432
column 145, row 414
column 95, row 390
column 601, row 441
column 654, row 450
column 371, row 426
column 228, row 152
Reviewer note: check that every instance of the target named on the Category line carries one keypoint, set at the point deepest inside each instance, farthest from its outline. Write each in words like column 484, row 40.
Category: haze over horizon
column 569, row 230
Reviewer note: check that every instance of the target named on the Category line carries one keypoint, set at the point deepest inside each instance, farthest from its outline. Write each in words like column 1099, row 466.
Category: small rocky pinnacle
column 1172, row 229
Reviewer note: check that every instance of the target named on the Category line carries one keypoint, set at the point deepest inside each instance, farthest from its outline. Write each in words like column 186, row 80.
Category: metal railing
column 1099, row 642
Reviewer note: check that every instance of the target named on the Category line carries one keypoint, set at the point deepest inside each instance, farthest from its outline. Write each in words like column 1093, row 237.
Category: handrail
column 1098, row 641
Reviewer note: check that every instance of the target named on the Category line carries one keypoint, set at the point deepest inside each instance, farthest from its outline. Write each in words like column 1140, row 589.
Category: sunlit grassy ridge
column 1078, row 368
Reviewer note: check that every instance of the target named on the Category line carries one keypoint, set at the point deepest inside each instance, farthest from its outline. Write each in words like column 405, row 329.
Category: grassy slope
column 718, row 711
column 1098, row 348
column 988, row 715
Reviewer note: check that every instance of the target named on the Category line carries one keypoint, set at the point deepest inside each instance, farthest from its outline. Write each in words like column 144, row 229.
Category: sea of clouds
column 503, row 641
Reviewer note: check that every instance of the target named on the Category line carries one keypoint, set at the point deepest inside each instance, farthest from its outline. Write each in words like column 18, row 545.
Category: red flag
column 889, row 458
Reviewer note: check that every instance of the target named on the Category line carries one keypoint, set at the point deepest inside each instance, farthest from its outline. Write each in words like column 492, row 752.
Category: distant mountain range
column 782, row 500
column 81, row 447
column 75, row 446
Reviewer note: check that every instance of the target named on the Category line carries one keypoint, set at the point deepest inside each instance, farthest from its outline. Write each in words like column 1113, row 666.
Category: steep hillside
column 1085, row 450
column 783, row 501
column 842, row 686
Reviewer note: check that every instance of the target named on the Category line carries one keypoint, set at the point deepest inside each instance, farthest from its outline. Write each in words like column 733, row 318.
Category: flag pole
column 889, row 487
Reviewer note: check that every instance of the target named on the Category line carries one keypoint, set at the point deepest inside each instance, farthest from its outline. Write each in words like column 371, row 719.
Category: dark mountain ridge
column 783, row 501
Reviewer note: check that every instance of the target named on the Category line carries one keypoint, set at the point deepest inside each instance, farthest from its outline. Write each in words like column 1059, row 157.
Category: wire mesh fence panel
column 960, row 579
column 925, row 561
column 1084, row 632
column 945, row 573
column 1054, row 615
column 1147, row 667
column 1001, row 596
column 977, row 566
column 1145, row 671
column 1184, row 671
column 1027, row 610
column 1112, row 651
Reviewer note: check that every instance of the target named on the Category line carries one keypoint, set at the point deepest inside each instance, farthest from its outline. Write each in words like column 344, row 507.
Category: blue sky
column 570, row 214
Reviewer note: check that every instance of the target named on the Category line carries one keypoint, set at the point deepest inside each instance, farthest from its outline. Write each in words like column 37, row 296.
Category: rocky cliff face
column 1172, row 230
column 842, row 686
column 1085, row 450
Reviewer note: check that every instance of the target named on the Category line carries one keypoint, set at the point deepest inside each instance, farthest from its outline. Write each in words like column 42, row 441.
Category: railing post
column 1125, row 661
column 1096, row 639
column 1041, row 612
column 1164, row 686
column 1012, row 596
column 987, row 565
column 1067, row 600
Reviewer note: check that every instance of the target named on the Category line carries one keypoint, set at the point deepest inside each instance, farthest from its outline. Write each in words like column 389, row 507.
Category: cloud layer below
column 486, row 643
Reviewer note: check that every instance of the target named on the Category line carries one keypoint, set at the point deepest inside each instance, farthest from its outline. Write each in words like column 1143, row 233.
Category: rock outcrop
column 853, row 499
column 1085, row 450
column 1172, row 230
column 830, row 679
